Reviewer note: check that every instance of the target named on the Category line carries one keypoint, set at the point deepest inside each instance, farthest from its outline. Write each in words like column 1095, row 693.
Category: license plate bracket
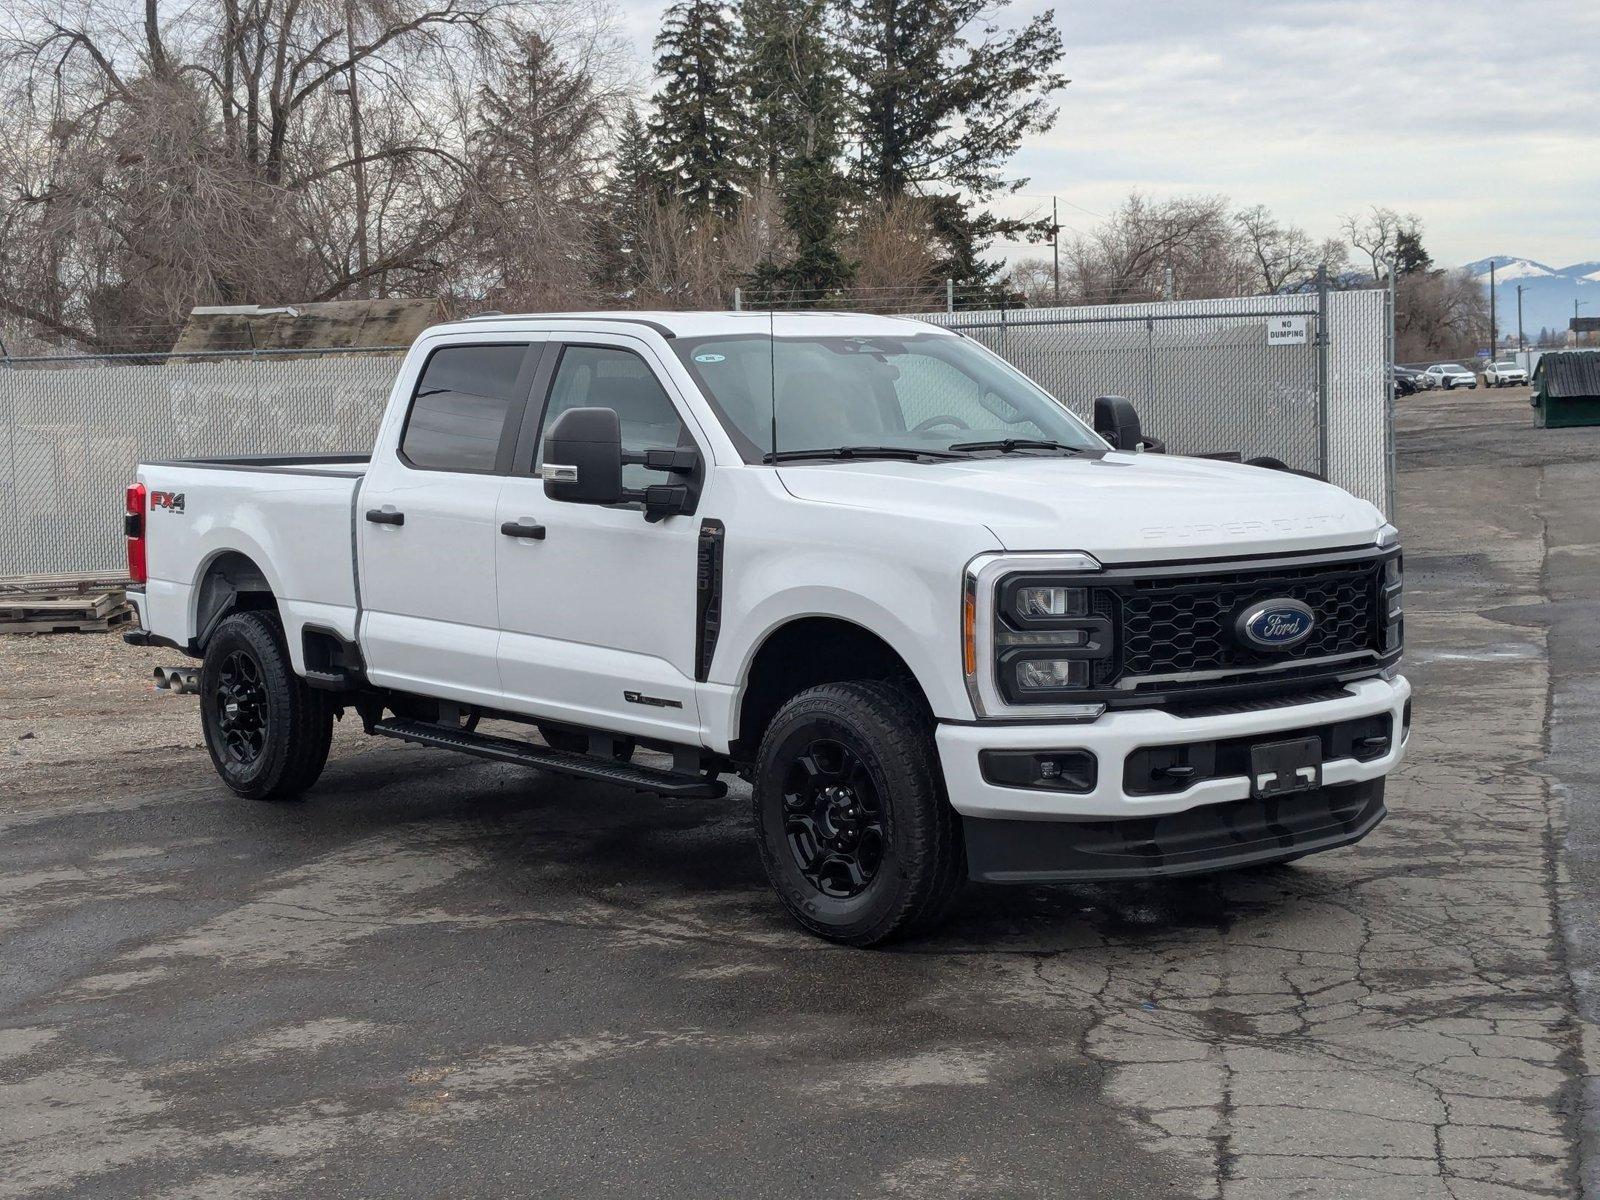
column 1283, row 768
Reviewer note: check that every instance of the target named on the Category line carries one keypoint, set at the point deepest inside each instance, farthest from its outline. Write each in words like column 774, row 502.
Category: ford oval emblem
column 1276, row 624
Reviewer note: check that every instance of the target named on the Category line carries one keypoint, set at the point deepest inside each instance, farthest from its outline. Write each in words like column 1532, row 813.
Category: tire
column 272, row 742
column 871, row 742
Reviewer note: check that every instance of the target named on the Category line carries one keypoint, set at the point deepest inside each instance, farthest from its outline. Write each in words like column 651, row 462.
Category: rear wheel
column 851, row 820
column 268, row 733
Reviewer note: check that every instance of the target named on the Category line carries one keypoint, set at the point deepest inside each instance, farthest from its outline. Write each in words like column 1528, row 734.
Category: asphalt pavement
column 442, row 977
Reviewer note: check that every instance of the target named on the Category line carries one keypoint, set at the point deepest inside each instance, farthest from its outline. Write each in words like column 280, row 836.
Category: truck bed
column 290, row 517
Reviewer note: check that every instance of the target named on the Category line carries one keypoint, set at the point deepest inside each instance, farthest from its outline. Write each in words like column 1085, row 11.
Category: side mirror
column 1116, row 420
column 583, row 457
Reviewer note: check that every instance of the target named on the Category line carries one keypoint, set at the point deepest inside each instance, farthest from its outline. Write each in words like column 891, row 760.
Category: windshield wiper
column 906, row 452
column 1009, row 445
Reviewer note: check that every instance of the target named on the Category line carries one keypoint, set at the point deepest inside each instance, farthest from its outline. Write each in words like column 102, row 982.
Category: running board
column 647, row 779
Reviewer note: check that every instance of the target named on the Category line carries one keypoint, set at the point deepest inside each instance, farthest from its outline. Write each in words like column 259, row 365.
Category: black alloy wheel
column 240, row 705
column 851, row 818
column 267, row 730
column 833, row 819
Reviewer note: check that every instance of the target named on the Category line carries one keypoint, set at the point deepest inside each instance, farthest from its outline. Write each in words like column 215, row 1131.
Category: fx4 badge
column 172, row 502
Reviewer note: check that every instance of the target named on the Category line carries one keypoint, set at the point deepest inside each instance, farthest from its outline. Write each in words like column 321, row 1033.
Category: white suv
column 1451, row 375
column 1504, row 374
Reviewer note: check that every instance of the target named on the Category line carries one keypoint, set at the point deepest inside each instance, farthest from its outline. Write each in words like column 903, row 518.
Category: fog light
column 1036, row 602
column 1052, row 674
column 1044, row 770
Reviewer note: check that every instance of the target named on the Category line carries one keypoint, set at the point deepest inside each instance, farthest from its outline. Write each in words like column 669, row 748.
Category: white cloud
column 1479, row 116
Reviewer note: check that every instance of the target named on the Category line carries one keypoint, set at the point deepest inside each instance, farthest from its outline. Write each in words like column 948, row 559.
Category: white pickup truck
column 944, row 628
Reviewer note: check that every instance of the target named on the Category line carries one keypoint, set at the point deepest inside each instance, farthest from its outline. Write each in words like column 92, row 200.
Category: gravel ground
column 439, row 976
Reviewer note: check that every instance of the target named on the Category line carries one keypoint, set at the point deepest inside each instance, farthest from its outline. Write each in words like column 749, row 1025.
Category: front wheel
column 851, row 819
column 268, row 733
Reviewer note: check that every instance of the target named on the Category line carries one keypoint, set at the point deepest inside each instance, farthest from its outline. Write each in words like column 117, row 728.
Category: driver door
column 597, row 612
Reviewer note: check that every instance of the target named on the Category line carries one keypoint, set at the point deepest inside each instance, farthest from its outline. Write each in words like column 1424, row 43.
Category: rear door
column 598, row 614
column 426, row 528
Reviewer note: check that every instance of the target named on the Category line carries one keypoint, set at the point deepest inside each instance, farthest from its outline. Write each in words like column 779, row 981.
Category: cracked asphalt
column 445, row 977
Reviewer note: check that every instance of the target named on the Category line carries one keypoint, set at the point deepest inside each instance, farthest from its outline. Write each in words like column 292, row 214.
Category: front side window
column 608, row 377
column 922, row 392
column 466, row 408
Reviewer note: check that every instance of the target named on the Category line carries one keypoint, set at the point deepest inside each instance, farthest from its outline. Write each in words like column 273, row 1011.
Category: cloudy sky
column 1480, row 116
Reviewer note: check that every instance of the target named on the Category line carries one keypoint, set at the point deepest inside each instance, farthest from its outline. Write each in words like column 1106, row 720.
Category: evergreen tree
column 1409, row 256
column 634, row 186
column 794, row 102
column 943, row 99
column 696, row 126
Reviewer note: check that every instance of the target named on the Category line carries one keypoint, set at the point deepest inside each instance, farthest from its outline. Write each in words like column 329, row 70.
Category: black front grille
column 1178, row 625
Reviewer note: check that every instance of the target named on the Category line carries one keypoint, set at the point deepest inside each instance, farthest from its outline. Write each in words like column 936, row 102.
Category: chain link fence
column 73, row 429
column 1203, row 373
column 1301, row 378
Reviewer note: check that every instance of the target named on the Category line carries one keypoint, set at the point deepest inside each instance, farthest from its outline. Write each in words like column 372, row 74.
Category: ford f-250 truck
column 943, row 627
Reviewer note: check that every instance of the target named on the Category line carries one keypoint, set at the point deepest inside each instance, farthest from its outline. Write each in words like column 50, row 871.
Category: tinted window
column 603, row 377
column 464, row 408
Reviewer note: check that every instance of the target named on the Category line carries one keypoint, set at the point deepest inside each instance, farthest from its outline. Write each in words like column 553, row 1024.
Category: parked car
column 1504, row 373
column 942, row 626
column 1451, row 375
column 1408, row 380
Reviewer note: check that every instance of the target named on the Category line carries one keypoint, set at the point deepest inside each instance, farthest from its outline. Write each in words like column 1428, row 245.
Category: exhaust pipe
column 180, row 681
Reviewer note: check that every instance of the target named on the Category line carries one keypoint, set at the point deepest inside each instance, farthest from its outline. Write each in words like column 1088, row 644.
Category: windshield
column 896, row 395
column 1460, row 370
column 1506, row 366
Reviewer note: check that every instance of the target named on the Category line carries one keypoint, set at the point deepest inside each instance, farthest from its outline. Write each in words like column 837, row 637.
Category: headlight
column 1048, row 639
column 1390, row 596
column 1051, row 674
column 1034, row 603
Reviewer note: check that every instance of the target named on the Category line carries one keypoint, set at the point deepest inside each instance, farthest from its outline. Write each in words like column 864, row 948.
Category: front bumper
column 1222, row 802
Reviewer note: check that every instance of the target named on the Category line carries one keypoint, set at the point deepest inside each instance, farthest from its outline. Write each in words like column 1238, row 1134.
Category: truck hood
column 1120, row 508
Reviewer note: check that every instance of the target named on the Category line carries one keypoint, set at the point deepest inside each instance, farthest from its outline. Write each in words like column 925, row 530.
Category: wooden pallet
column 114, row 619
column 69, row 584
column 62, row 604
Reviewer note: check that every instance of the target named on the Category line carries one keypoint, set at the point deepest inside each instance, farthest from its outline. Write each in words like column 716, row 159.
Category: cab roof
column 714, row 324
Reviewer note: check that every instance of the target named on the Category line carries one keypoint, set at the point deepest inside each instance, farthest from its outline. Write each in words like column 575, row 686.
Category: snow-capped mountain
column 1548, row 293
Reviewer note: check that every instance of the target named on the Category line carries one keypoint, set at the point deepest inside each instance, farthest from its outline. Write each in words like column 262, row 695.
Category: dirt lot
column 444, row 977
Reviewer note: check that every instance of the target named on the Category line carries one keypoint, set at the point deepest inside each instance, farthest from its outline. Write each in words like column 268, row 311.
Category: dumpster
column 1566, row 389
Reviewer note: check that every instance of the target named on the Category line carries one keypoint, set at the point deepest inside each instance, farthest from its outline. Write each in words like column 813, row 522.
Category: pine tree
column 697, row 108
column 1409, row 256
column 943, row 99
column 634, row 186
column 794, row 100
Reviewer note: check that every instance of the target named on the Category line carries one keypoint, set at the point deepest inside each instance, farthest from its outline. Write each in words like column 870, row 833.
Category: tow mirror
column 583, row 457
column 1116, row 420
column 583, row 461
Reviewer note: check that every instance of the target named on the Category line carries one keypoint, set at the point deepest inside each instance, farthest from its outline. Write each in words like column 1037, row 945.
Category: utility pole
column 356, row 151
column 1055, row 243
column 1493, row 342
column 1522, row 345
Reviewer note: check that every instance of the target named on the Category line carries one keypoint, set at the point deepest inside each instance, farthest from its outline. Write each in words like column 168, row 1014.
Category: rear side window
column 466, row 408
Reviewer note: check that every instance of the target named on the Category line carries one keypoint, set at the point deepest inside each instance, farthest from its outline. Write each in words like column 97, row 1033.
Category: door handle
column 379, row 517
column 523, row 529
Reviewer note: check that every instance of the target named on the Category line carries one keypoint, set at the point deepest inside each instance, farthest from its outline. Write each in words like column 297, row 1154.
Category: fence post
column 1322, row 370
column 1149, row 359
column 738, row 300
column 950, row 295
column 1389, row 399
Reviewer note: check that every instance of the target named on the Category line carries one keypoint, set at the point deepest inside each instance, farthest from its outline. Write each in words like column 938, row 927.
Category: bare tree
column 1187, row 247
column 1439, row 313
column 896, row 250
column 1376, row 234
column 242, row 151
column 1283, row 256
